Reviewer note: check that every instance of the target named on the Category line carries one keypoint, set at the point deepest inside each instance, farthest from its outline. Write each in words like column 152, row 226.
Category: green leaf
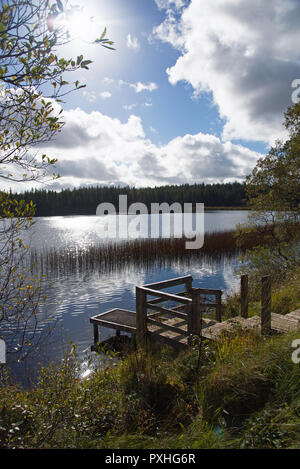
column 103, row 34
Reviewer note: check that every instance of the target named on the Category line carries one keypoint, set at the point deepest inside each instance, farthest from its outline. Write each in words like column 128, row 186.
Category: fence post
column 96, row 334
column 141, row 317
column 196, row 313
column 266, row 298
column 219, row 306
column 188, row 309
column 244, row 296
column 188, row 286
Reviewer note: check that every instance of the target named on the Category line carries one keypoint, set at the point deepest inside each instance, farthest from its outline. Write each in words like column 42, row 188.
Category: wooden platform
column 125, row 320
column 118, row 319
column 174, row 338
column 157, row 318
column 279, row 323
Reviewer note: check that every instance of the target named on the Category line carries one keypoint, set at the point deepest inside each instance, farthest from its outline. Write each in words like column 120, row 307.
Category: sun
column 79, row 24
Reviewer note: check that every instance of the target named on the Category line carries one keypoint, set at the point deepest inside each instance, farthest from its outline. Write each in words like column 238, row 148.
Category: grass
column 142, row 252
column 285, row 297
column 246, row 394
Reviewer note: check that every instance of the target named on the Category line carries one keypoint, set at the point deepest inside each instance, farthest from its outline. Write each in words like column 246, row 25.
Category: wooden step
column 217, row 330
column 284, row 323
column 294, row 314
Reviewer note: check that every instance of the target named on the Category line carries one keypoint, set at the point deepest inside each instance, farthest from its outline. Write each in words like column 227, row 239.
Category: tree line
column 84, row 200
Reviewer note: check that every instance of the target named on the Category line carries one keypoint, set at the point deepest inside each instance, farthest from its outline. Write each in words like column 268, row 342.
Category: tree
column 273, row 191
column 32, row 84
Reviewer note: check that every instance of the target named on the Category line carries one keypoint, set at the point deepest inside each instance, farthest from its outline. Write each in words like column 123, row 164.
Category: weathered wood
column 166, row 327
column 219, row 306
column 294, row 314
column 189, row 312
column 164, row 338
column 166, row 296
column 156, row 301
column 188, row 286
column 179, row 329
column 141, row 317
column 178, row 308
column 266, row 298
column 96, row 334
column 170, row 283
column 118, row 319
column 212, row 305
column 244, row 296
column 209, row 291
column 195, row 311
column 162, row 310
column 284, row 323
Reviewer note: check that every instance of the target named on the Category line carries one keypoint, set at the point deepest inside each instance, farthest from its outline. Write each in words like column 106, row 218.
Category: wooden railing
column 216, row 304
column 189, row 308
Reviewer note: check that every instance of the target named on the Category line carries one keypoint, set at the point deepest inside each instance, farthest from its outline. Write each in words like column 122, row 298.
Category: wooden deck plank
column 119, row 319
column 125, row 320
column 294, row 314
column 284, row 323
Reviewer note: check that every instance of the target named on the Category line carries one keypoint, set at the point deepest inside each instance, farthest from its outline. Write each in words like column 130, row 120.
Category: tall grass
column 140, row 253
column 246, row 394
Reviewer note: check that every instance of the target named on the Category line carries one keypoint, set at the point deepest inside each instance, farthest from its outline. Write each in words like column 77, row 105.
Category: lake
column 74, row 297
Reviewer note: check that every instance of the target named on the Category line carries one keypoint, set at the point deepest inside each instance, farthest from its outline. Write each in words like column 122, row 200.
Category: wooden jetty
column 174, row 318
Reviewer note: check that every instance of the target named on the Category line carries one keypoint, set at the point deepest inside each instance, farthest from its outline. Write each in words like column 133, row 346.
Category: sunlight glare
column 82, row 25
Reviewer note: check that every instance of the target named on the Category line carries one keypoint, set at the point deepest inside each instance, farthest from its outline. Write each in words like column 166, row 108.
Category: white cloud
column 105, row 95
column 91, row 96
column 133, row 43
column 244, row 53
column 96, row 149
column 108, row 81
column 129, row 107
column 139, row 86
column 164, row 4
column 153, row 130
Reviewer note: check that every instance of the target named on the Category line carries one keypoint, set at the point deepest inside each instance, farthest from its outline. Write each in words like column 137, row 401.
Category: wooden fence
column 188, row 307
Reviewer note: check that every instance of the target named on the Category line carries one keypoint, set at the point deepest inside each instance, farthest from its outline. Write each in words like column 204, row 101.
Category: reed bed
column 138, row 253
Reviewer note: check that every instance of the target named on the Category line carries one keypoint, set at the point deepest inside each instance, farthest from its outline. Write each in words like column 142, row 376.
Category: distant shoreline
column 225, row 208
column 206, row 209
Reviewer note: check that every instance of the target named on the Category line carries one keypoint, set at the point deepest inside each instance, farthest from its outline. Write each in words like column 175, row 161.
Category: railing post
column 188, row 286
column 266, row 299
column 96, row 334
column 219, row 306
column 244, row 296
column 193, row 312
column 196, row 311
column 188, row 309
column 141, row 317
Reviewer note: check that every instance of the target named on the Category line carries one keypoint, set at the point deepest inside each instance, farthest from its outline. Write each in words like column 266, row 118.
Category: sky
column 194, row 92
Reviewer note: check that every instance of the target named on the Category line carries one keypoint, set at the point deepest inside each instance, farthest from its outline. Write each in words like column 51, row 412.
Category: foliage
column 246, row 396
column 20, row 290
column 84, row 201
column 32, row 83
column 263, row 432
column 273, row 191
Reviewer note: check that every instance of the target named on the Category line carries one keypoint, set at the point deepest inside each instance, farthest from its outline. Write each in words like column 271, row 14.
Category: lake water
column 74, row 297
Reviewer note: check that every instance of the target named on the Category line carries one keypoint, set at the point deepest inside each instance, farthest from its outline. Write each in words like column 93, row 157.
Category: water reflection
column 83, row 231
column 74, row 296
